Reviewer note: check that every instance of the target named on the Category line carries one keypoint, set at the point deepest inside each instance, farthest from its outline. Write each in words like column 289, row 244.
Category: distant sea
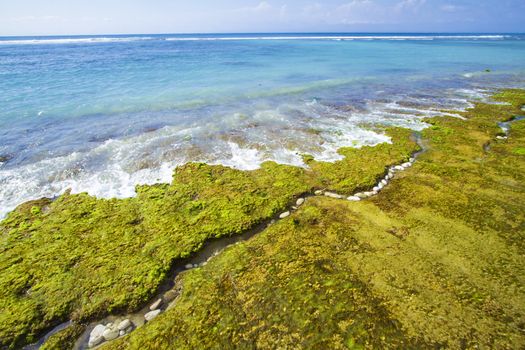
column 104, row 113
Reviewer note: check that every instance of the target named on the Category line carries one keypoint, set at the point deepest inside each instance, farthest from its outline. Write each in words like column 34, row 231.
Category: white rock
column 384, row 182
column 399, row 168
column 96, row 336
column 375, row 193
column 354, row 199
column 284, row 215
column 406, row 165
column 195, row 265
column 121, row 333
column 380, row 185
column 156, row 304
column 151, row 315
column 369, row 194
column 501, row 137
column 124, row 324
column 391, row 174
column 299, row 202
column 188, row 266
column 361, row 195
column 110, row 333
column 412, row 160
column 318, row 193
column 333, row 195
column 375, row 189
column 94, row 341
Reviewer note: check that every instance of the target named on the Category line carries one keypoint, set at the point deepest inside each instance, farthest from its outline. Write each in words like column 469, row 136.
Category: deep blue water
column 104, row 113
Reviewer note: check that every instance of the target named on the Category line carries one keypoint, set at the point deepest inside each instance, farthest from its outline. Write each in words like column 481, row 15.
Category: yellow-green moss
column 435, row 261
column 80, row 257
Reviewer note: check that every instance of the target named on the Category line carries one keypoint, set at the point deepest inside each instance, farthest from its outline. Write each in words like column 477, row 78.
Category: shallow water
column 102, row 114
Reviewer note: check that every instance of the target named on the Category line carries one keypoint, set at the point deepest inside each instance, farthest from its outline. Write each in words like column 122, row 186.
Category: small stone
column 399, row 168
column 294, row 208
column 406, row 165
column 380, row 185
column 121, row 333
column 333, row 195
column 96, row 336
column 188, row 266
column 299, row 202
column 354, row 199
column 369, row 194
column 391, row 175
column 124, row 324
column 375, row 189
column 412, row 160
column 501, row 137
column 284, row 215
column 110, row 333
column 151, row 315
column 110, row 324
column 195, row 266
column 384, row 182
column 361, row 195
column 318, row 193
column 155, row 305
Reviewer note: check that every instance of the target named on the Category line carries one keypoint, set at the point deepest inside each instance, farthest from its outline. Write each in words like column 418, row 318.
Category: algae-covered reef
column 80, row 258
column 435, row 261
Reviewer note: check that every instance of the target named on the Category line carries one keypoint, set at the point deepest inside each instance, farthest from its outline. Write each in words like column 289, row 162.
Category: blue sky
column 56, row 17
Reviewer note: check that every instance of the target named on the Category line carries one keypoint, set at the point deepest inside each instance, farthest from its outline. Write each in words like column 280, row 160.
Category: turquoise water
column 104, row 113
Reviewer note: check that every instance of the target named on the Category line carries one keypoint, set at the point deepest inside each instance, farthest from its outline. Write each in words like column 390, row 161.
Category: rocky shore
column 407, row 267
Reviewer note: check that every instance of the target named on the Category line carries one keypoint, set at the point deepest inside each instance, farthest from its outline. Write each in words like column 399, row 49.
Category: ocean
column 101, row 114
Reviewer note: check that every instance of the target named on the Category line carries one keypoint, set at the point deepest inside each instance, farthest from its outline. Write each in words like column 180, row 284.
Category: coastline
column 224, row 202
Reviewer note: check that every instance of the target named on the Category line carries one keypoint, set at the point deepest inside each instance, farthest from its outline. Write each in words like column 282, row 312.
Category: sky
column 74, row 17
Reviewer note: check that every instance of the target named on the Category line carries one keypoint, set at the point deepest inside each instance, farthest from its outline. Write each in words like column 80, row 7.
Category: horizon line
column 254, row 33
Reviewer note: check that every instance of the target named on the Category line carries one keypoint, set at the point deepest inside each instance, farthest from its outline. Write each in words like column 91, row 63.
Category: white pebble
column 375, row 189
column 361, row 195
column 299, row 202
column 412, row 160
column 354, row 199
column 380, row 185
column 284, row 215
column 407, row 165
column 384, row 182
column 155, row 305
column 318, row 193
column 124, row 324
column 399, row 168
column 96, row 336
column 188, row 266
column 110, row 333
column 333, row 195
column 151, row 315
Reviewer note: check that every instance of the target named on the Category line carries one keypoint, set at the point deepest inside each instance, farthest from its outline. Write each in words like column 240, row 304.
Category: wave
column 95, row 40
column 345, row 37
column 56, row 41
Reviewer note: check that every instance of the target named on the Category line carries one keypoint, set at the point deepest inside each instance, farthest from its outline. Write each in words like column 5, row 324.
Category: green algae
column 435, row 261
column 80, row 258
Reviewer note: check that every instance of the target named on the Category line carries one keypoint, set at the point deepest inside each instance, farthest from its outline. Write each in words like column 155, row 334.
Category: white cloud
column 450, row 8
column 410, row 5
